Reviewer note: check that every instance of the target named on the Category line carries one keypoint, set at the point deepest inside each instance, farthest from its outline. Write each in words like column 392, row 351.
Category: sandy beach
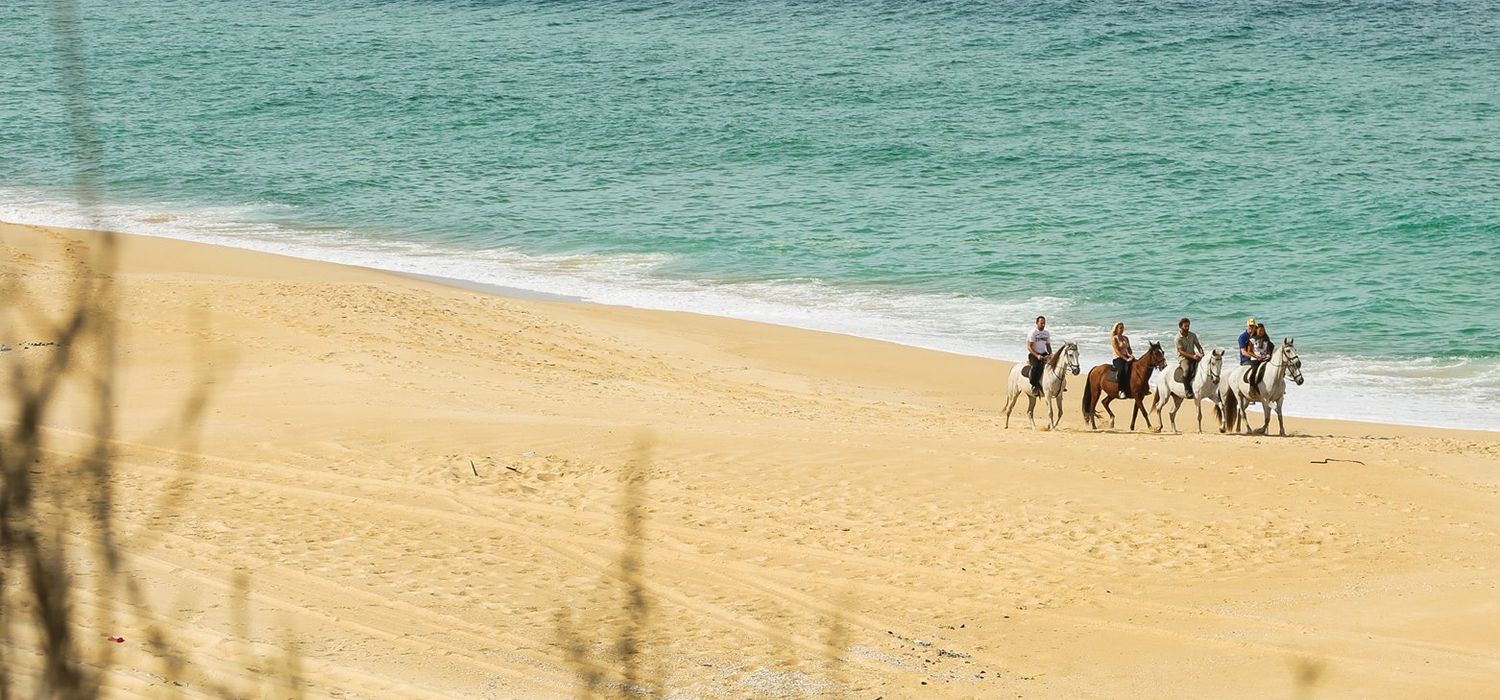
column 423, row 490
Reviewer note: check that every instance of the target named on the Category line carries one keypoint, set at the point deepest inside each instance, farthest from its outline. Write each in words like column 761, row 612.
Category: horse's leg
column 1031, row 409
column 1107, row 399
column 1010, row 405
column 1280, row 424
column 1058, row 418
column 1177, row 406
column 1265, row 407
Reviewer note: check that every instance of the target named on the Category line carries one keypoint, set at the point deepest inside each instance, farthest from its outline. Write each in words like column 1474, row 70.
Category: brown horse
column 1102, row 383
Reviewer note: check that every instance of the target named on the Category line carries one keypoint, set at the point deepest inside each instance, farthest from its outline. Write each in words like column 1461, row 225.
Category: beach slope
column 432, row 492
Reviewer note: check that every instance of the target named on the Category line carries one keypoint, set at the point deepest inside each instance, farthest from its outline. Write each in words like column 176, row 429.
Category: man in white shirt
column 1038, row 347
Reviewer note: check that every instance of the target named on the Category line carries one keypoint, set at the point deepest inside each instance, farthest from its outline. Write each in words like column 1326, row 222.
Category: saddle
column 1256, row 374
column 1182, row 375
column 1185, row 377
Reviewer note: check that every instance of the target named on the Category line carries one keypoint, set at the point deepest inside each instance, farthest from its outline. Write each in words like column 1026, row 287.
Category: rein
column 1055, row 364
column 1278, row 361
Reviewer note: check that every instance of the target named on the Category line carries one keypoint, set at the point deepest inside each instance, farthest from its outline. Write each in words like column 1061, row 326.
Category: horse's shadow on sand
column 1187, row 433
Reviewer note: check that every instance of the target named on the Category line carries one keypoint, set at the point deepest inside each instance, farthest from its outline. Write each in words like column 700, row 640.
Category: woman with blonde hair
column 1123, row 357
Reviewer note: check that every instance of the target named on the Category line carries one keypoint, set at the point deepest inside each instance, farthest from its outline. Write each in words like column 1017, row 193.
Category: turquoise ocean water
column 934, row 173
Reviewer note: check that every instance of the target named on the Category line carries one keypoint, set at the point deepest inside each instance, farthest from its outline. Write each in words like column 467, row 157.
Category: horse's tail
column 1231, row 412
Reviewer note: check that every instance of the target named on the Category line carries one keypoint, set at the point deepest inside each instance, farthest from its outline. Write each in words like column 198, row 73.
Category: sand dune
column 422, row 489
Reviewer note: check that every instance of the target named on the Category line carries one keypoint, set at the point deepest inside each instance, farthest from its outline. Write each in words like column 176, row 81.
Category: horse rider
column 1190, row 351
column 1260, row 346
column 1260, row 353
column 1244, row 343
column 1123, row 357
column 1038, row 347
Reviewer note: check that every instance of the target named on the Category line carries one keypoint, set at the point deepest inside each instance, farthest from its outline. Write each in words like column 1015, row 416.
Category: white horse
column 1238, row 393
column 1165, row 388
column 1054, row 382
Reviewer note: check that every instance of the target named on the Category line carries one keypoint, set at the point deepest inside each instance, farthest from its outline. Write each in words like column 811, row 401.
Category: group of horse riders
column 1254, row 344
column 1129, row 377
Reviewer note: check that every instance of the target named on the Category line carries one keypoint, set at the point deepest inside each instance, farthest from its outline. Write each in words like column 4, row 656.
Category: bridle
column 1161, row 356
column 1292, row 361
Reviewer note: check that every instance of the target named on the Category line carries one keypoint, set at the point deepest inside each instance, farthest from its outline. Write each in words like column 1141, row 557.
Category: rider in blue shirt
column 1247, row 352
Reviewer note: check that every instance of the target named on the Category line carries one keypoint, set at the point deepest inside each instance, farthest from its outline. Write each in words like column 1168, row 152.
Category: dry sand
column 821, row 514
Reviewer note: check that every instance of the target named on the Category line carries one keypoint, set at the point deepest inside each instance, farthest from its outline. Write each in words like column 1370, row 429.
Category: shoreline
column 546, row 296
column 522, row 293
column 425, row 488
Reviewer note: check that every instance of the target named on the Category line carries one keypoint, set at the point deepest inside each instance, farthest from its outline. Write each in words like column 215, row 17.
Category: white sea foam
column 1445, row 393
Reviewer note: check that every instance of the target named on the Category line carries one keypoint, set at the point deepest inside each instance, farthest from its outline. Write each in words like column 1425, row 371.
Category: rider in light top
column 1260, row 345
column 1260, row 353
column 1123, row 357
column 1038, row 347
column 1244, row 343
column 1191, row 351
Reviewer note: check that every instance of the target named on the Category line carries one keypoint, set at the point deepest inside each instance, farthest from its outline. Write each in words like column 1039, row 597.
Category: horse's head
column 1070, row 357
column 1155, row 357
column 1215, row 365
column 1291, row 361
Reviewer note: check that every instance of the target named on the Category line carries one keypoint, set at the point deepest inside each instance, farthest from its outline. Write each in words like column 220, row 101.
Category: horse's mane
column 1055, row 357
